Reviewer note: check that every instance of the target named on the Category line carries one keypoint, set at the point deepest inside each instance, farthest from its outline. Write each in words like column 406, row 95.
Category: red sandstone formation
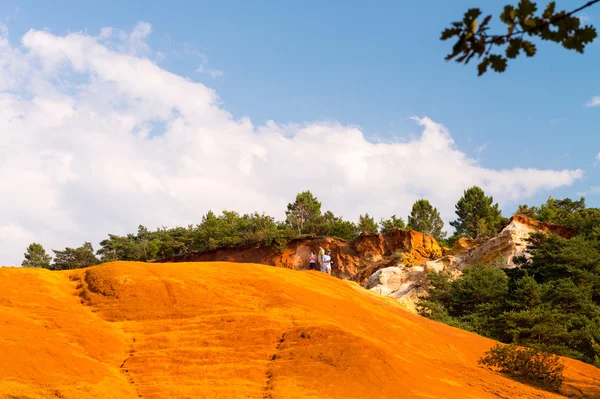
column 355, row 260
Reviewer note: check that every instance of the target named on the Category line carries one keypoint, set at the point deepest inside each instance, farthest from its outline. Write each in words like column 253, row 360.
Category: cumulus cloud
column 97, row 138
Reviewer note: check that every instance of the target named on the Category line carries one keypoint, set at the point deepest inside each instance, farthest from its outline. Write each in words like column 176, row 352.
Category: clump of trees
column 477, row 217
column 551, row 302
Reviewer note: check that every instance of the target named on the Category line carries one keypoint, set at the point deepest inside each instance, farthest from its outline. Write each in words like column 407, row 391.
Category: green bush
column 526, row 364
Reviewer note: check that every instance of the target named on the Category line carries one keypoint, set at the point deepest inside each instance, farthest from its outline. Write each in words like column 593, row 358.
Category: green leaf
column 498, row 63
column 471, row 14
column 458, row 46
column 549, row 11
column 508, row 15
column 530, row 23
column 486, row 20
column 482, row 67
column 587, row 34
column 449, row 32
column 513, row 48
column 526, row 8
column 529, row 48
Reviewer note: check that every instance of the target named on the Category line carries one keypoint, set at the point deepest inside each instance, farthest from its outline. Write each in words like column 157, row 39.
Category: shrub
column 526, row 364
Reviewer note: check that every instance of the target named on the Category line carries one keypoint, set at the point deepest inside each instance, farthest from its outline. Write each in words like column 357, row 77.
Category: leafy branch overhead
column 522, row 23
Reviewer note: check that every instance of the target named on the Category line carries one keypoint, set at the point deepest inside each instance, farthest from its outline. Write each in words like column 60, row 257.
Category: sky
column 115, row 114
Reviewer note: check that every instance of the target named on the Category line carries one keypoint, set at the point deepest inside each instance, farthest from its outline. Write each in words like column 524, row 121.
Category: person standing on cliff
column 321, row 253
column 312, row 261
column 326, row 262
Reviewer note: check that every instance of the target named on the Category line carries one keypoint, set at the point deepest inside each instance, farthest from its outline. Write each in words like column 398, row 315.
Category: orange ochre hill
column 225, row 330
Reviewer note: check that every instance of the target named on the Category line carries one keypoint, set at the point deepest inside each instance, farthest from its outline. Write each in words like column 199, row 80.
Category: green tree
column 75, row 258
column 426, row 219
column 36, row 256
column 522, row 23
column 561, row 211
column 551, row 302
column 567, row 212
column 335, row 226
column 387, row 225
column 304, row 213
column 477, row 215
column 118, row 248
column 472, row 302
column 531, row 212
column 366, row 224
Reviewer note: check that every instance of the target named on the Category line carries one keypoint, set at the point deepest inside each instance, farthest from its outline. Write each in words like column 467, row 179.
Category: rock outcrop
column 353, row 260
column 403, row 283
column 392, row 264
column 510, row 242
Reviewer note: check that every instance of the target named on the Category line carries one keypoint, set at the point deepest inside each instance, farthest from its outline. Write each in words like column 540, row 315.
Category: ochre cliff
column 355, row 260
column 392, row 264
column 404, row 282
column 229, row 330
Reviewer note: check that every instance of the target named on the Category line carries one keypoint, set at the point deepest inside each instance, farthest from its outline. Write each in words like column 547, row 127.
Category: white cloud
column 593, row 102
column 133, row 43
column 77, row 116
column 598, row 156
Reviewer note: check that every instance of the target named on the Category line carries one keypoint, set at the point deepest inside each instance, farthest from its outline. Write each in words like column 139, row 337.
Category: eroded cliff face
column 510, row 242
column 392, row 264
column 354, row 260
column 404, row 283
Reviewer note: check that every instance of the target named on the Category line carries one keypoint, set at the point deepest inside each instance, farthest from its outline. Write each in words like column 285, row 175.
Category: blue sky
column 372, row 64
column 366, row 64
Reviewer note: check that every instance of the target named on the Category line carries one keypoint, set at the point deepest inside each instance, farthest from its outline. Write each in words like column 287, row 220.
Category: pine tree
column 335, row 226
column 366, row 224
column 387, row 225
column 477, row 215
column 75, row 258
column 426, row 219
column 36, row 256
column 304, row 214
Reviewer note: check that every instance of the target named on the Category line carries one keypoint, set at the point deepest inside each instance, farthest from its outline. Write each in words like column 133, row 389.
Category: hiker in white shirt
column 326, row 262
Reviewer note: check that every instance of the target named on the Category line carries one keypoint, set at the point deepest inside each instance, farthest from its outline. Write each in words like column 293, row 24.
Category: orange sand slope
column 223, row 330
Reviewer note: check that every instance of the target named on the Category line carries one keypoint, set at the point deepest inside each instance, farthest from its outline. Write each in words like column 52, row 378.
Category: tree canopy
column 303, row 214
column 551, row 302
column 387, row 225
column 75, row 258
column 366, row 224
column 36, row 256
column 522, row 22
column 477, row 215
column 426, row 219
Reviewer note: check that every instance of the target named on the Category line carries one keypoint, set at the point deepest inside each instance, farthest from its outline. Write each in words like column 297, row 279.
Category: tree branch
column 545, row 24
